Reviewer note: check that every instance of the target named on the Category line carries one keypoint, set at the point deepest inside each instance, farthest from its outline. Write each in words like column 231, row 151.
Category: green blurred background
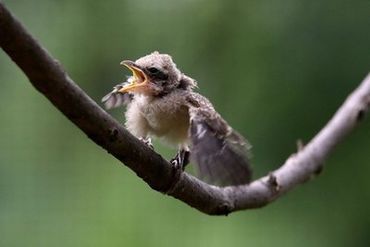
column 276, row 70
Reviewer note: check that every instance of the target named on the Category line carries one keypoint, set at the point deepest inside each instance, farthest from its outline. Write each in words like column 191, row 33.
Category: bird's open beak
column 139, row 78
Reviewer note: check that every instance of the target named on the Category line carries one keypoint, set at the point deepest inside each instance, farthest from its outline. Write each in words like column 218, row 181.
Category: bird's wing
column 115, row 99
column 221, row 154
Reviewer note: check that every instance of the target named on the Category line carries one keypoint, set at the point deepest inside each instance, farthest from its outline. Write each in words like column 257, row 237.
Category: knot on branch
column 223, row 209
column 113, row 134
column 319, row 169
column 273, row 183
column 360, row 115
column 362, row 112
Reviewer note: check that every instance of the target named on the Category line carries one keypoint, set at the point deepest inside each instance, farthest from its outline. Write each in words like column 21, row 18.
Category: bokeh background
column 276, row 70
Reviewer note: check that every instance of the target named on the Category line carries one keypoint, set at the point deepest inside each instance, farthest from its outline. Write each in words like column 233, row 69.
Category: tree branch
column 48, row 77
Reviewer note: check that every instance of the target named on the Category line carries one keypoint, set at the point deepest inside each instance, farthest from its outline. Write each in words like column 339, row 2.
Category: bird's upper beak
column 140, row 79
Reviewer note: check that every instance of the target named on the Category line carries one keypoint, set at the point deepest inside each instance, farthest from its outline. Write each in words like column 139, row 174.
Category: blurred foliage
column 276, row 70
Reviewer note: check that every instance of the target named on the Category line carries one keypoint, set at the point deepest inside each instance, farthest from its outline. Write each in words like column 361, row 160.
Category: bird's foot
column 147, row 141
column 176, row 163
column 181, row 160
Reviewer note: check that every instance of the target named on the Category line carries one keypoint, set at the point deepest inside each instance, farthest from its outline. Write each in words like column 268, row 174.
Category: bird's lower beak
column 139, row 78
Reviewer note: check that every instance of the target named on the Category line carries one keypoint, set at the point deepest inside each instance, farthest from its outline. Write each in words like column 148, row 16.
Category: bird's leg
column 147, row 141
column 181, row 160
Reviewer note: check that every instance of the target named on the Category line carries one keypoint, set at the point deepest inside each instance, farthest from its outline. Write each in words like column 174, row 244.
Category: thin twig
column 47, row 76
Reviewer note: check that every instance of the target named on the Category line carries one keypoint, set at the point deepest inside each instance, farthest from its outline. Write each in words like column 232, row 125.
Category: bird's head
column 155, row 74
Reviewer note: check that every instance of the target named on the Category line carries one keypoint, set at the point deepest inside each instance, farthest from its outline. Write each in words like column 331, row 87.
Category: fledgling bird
column 161, row 102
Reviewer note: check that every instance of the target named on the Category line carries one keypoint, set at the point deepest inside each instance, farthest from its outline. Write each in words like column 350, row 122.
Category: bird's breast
column 165, row 117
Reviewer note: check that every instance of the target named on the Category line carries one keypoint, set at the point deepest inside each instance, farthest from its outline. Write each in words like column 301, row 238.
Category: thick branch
column 48, row 77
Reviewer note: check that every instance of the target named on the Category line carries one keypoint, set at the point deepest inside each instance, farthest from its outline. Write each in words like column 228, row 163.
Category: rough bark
column 48, row 77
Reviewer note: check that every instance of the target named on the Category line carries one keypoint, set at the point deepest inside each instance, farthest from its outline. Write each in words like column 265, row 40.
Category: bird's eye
column 153, row 70
column 157, row 74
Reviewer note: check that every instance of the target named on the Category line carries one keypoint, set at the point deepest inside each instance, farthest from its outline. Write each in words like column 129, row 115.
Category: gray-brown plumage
column 161, row 102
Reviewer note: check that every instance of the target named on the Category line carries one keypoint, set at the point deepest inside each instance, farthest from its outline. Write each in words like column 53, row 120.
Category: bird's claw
column 147, row 141
column 175, row 162
column 181, row 160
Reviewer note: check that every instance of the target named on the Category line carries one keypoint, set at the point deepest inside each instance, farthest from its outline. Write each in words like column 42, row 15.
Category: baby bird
column 161, row 103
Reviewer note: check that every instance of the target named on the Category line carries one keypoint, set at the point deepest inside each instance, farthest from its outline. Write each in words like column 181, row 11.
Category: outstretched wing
column 115, row 99
column 221, row 154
